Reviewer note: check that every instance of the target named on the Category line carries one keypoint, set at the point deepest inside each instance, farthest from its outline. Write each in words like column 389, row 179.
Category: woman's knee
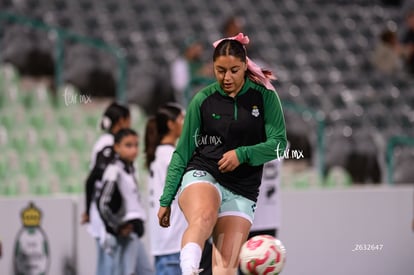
column 205, row 221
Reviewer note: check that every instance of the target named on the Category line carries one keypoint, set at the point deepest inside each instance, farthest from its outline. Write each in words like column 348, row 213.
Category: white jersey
column 163, row 240
column 96, row 226
column 105, row 140
column 267, row 215
column 120, row 176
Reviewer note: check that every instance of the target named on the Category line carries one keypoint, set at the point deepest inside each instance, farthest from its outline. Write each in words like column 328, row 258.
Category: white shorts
column 231, row 204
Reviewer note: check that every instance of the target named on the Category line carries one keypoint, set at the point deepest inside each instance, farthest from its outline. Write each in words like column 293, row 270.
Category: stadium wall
column 358, row 230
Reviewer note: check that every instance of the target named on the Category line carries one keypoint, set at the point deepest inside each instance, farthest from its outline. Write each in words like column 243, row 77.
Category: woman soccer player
column 231, row 129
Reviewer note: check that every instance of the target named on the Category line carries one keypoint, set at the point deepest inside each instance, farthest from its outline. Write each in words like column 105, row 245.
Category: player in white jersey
column 115, row 117
column 161, row 135
column 121, row 209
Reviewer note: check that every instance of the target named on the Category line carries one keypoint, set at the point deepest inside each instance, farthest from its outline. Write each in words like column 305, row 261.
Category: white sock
column 190, row 257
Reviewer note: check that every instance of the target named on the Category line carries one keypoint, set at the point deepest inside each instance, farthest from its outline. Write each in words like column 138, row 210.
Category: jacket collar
column 127, row 166
column 243, row 90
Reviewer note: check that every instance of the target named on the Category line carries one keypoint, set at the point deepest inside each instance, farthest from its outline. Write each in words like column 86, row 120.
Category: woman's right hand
column 164, row 216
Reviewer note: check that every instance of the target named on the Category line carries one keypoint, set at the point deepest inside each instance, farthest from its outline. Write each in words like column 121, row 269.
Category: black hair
column 119, row 136
column 113, row 113
column 230, row 47
column 388, row 36
column 157, row 128
column 169, row 111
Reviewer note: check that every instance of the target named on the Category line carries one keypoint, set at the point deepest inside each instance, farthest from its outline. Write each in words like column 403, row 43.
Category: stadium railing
column 319, row 118
column 392, row 143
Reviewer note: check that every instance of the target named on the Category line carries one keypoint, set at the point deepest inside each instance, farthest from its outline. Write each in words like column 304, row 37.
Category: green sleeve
column 275, row 128
column 184, row 151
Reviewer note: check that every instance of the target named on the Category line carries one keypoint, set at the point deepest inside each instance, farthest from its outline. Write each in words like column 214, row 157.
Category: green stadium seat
column 18, row 142
column 49, row 144
column 9, row 189
column 61, row 166
column 7, row 120
column 328, row 40
column 337, row 177
column 31, row 167
column 92, row 121
column 74, row 185
column 4, row 169
column 78, row 142
column 39, row 187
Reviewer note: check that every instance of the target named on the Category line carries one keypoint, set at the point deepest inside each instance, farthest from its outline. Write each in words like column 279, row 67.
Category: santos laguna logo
column 31, row 253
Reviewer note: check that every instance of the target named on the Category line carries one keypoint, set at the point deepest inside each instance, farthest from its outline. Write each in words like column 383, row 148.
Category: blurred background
column 344, row 74
column 62, row 61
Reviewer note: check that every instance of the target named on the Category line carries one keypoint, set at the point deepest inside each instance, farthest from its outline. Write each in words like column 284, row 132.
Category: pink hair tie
column 257, row 74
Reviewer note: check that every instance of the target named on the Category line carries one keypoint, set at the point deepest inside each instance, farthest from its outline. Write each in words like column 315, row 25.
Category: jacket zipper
column 235, row 108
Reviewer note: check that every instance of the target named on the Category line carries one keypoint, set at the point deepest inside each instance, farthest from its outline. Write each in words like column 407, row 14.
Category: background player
column 114, row 118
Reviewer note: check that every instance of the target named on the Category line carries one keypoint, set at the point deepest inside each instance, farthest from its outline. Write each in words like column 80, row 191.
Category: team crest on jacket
column 255, row 111
column 198, row 173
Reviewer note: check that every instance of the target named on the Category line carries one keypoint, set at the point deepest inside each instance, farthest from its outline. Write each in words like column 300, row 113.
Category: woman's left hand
column 125, row 229
column 228, row 162
column 164, row 214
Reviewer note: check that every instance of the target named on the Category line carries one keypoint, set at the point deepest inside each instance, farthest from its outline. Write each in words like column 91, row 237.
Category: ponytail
column 157, row 128
column 152, row 140
column 112, row 115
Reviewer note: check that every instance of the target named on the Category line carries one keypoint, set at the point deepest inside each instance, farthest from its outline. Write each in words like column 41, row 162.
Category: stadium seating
column 45, row 146
column 318, row 49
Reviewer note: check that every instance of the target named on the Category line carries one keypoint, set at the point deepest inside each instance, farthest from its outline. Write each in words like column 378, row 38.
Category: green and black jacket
column 252, row 123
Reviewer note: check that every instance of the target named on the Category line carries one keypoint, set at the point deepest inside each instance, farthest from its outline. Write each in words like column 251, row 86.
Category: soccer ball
column 262, row 254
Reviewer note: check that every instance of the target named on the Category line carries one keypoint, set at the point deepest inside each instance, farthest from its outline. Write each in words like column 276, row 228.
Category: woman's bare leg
column 200, row 203
column 229, row 235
